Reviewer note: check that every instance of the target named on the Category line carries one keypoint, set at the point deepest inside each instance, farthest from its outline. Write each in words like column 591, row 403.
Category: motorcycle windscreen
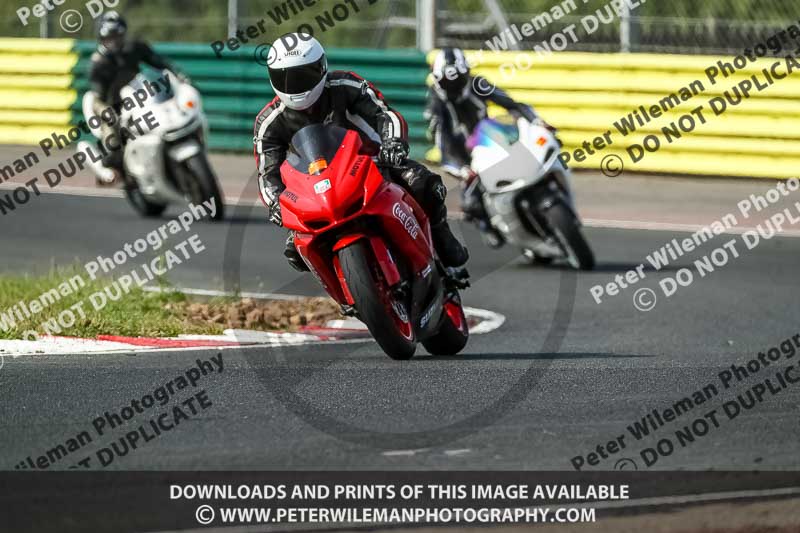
column 500, row 158
column 313, row 148
column 501, row 130
column 145, row 81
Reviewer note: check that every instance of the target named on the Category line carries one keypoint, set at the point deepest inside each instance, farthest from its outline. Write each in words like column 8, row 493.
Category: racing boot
column 450, row 250
column 293, row 256
column 475, row 211
column 103, row 174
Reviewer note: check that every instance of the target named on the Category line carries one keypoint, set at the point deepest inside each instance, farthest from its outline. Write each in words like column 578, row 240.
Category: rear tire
column 373, row 302
column 450, row 339
column 570, row 237
column 140, row 203
column 206, row 186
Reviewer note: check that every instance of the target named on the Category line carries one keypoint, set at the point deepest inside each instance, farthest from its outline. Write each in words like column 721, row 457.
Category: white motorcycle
column 168, row 163
column 527, row 191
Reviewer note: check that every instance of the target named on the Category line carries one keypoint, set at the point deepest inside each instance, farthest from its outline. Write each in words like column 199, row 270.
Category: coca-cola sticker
column 409, row 222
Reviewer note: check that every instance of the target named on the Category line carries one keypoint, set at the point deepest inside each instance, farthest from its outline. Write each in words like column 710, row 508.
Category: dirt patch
column 247, row 313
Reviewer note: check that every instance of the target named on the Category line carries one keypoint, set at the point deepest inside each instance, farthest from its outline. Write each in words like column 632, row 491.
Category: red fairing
column 348, row 201
column 316, row 201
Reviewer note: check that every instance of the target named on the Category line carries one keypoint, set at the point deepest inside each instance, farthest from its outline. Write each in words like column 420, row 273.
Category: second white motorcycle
column 168, row 163
column 527, row 191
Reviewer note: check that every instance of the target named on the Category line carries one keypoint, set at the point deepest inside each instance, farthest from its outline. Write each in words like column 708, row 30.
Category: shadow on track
column 530, row 356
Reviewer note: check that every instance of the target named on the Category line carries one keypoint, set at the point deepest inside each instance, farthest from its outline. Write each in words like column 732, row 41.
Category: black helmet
column 111, row 32
column 450, row 72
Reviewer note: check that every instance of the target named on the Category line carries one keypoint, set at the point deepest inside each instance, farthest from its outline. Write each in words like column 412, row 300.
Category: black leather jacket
column 110, row 72
column 452, row 120
column 348, row 101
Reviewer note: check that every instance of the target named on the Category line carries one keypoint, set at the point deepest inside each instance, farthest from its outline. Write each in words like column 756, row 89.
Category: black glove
column 275, row 213
column 394, row 152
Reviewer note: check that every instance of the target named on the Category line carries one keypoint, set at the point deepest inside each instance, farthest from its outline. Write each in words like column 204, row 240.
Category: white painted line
column 226, row 294
column 491, row 320
column 58, row 346
column 113, row 192
column 644, row 502
column 670, row 226
column 404, row 453
column 694, row 498
column 455, row 453
column 47, row 345
column 69, row 190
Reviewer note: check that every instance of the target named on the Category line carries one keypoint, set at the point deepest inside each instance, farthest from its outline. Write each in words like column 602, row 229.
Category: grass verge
column 60, row 304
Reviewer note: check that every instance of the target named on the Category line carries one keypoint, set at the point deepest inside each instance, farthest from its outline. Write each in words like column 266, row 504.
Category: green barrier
column 235, row 87
column 585, row 95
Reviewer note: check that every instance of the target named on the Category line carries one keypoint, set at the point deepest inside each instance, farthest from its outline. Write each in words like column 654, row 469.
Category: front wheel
column 454, row 332
column 386, row 318
column 570, row 238
column 536, row 259
column 204, row 186
column 140, row 203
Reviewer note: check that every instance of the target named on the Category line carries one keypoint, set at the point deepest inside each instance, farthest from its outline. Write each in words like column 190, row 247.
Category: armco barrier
column 584, row 94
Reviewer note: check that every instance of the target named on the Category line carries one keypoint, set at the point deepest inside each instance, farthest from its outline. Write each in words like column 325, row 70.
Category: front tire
column 140, row 203
column 535, row 259
column 453, row 335
column 205, row 186
column 374, row 302
column 569, row 236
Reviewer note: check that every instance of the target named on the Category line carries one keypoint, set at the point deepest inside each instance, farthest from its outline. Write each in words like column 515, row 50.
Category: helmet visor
column 300, row 79
column 453, row 84
column 113, row 43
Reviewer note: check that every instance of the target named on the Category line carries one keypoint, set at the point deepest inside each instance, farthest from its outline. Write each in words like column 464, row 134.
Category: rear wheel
column 570, row 237
column 204, row 184
column 386, row 318
column 454, row 332
column 140, row 203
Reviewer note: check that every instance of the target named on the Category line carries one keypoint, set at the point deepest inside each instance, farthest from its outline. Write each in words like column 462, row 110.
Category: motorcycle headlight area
column 503, row 203
column 184, row 131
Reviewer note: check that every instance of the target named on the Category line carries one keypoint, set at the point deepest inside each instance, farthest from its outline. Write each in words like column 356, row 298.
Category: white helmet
column 297, row 70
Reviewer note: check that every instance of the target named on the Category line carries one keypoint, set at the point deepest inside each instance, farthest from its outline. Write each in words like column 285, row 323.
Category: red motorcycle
column 369, row 243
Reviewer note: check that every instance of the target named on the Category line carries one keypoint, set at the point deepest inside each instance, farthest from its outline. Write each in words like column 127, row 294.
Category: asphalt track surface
column 562, row 375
